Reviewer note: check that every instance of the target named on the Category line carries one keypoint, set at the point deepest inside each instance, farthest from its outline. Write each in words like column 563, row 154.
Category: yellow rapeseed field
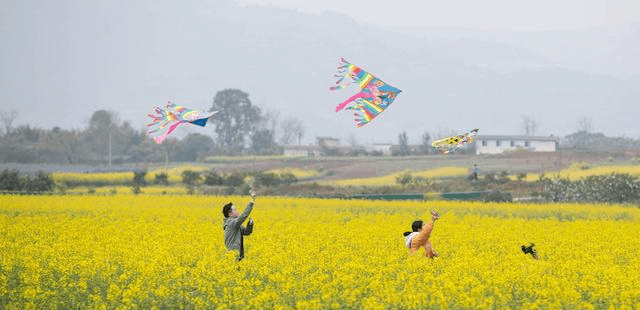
column 124, row 190
column 575, row 172
column 174, row 174
column 166, row 252
column 104, row 177
column 298, row 173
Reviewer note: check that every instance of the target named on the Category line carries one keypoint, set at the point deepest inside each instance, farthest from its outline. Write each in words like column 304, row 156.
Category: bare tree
column 529, row 125
column 585, row 124
column 270, row 120
column 425, row 147
column 286, row 126
column 299, row 131
column 352, row 139
column 442, row 133
column 292, row 130
column 7, row 118
column 263, row 138
column 403, row 144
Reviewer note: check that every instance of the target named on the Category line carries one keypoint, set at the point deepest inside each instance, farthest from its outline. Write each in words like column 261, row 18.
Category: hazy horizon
column 495, row 15
column 63, row 61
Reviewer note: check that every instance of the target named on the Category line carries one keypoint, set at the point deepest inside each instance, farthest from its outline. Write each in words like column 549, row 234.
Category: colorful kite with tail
column 165, row 121
column 374, row 95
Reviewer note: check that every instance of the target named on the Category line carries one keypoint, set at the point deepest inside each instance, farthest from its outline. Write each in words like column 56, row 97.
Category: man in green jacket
column 233, row 231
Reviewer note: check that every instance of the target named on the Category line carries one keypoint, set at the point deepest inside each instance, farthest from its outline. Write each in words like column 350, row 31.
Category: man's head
column 416, row 225
column 229, row 210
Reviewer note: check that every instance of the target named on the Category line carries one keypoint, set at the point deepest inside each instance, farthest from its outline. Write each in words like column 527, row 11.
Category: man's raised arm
column 247, row 210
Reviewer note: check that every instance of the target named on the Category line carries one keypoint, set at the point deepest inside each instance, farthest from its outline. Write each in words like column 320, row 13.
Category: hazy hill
column 63, row 60
column 611, row 50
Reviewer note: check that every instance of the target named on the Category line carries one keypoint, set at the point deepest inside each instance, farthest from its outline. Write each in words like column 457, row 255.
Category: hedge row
column 258, row 179
column 10, row 180
column 610, row 188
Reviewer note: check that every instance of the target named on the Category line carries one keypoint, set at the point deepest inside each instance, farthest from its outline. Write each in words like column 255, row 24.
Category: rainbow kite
column 374, row 96
column 166, row 120
column 446, row 145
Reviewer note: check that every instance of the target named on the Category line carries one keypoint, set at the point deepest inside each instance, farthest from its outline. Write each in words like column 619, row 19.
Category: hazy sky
column 60, row 61
column 539, row 15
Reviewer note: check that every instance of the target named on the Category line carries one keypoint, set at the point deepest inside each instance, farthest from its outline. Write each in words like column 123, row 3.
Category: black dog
column 530, row 250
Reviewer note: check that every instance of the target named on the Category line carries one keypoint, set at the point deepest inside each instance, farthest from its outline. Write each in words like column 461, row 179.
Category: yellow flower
column 152, row 251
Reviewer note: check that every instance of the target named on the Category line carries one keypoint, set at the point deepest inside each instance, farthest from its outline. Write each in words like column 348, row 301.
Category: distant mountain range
column 62, row 61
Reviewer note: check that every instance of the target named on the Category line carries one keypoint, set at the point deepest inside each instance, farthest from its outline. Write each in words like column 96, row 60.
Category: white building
column 302, row 150
column 499, row 144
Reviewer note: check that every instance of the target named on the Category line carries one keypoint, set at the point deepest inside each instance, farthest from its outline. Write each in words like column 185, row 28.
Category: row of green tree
column 256, row 178
column 211, row 178
column 240, row 128
column 11, row 180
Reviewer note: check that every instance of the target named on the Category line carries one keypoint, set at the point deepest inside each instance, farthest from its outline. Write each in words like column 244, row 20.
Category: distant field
column 126, row 190
column 578, row 171
column 391, row 179
column 343, row 171
column 324, row 177
column 174, row 174
column 153, row 252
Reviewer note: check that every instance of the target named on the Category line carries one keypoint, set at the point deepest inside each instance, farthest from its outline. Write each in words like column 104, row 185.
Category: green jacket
column 233, row 229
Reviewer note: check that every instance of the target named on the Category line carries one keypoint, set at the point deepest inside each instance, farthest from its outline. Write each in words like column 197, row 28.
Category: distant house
column 302, row 150
column 499, row 144
column 328, row 142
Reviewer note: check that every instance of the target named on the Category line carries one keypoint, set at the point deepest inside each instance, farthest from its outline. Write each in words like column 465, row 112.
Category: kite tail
column 160, row 114
column 155, row 127
column 344, row 71
column 161, row 138
column 341, row 83
column 361, row 120
column 154, row 118
column 351, row 99
column 359, row 117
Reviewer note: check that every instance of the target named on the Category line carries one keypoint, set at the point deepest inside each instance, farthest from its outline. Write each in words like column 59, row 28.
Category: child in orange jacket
column 422, row 238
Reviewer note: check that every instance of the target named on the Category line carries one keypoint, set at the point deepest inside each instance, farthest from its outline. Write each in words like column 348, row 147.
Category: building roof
column 519, row 138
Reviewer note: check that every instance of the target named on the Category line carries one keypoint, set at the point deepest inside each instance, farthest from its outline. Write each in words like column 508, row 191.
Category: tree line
column 240, row 128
